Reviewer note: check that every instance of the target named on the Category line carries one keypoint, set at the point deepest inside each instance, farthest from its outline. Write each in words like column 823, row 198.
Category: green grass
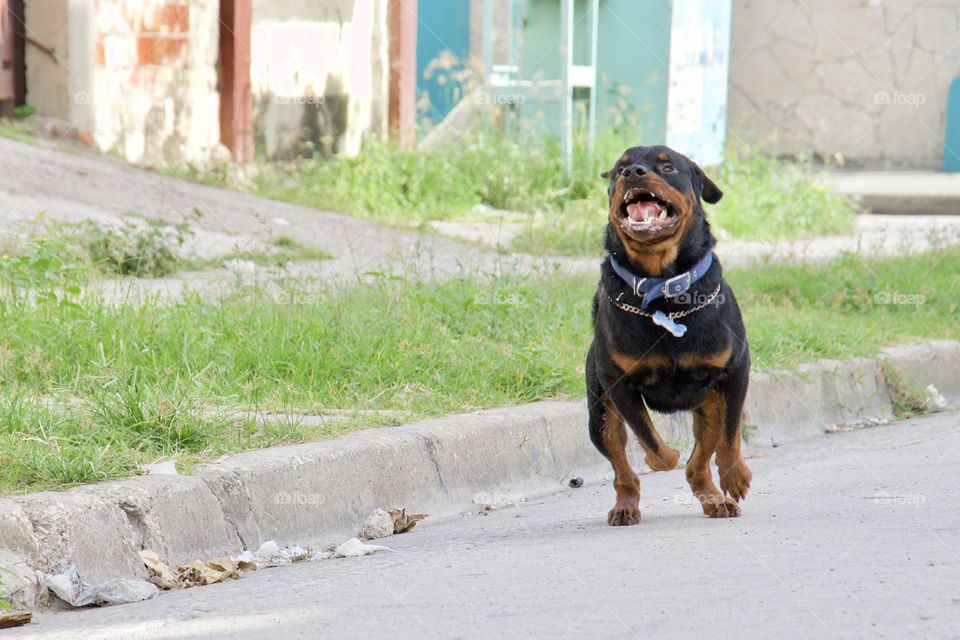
column 764, row 198
column 284, row 251
column 90, row 390
column 16, row 130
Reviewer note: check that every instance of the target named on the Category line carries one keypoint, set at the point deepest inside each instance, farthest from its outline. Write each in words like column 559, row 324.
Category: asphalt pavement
column 845, row 535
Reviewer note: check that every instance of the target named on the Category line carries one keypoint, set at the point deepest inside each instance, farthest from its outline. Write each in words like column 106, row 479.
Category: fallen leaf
column 160, row 573
column 403, row 521
column 196, row 573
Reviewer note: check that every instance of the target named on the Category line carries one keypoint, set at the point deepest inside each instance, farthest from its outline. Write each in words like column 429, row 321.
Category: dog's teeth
column 663, row 214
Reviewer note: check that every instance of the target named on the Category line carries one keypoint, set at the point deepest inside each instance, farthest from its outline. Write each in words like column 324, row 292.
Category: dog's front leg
column 735, row 475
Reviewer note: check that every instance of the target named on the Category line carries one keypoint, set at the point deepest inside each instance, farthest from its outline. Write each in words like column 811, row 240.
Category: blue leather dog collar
column 652, row 288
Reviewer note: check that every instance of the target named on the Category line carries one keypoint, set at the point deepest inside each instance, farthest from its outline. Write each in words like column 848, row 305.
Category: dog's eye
column 669, row 168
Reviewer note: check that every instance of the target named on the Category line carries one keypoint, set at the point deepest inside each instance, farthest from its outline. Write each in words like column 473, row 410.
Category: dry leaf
column 160, row 573
column 403, row 521
column 196, row 573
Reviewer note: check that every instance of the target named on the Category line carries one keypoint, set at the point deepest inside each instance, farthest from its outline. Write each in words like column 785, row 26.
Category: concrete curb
column 318, row 493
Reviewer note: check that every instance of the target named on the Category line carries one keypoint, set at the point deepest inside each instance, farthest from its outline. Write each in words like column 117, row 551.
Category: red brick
column 160, row 50
column 175, row 17
column 101, row 52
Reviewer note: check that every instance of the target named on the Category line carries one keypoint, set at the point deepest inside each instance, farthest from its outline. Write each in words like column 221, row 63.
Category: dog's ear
column 709, row 191
column 606, row 174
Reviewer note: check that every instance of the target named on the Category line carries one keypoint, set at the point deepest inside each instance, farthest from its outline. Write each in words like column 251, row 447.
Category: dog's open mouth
column 642, row 211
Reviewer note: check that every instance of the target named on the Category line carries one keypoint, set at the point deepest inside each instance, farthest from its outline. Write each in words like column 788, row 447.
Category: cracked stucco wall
column 154, row 93
column 866, row 79
column 319, row 74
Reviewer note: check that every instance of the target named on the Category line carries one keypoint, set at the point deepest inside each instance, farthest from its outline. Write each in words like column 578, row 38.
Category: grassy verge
column 764, row 198
column 90, row 391
column 72, row 254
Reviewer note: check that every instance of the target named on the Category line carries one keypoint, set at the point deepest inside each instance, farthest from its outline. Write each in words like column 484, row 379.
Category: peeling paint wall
column 48, row 72
column 154, row 81
column 319, row 74
column 866, row 79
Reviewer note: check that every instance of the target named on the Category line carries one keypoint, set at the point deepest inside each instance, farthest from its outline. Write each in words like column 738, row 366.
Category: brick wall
column 154, row 91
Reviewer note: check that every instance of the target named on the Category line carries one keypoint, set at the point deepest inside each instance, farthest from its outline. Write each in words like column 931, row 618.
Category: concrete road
column 846, row 535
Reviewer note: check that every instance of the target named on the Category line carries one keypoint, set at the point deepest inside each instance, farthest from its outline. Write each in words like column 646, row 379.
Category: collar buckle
column 677, row 285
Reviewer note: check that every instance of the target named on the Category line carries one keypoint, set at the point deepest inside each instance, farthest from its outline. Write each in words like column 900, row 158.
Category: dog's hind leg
column 708, row 426
column 609, row 436
column 735, row 475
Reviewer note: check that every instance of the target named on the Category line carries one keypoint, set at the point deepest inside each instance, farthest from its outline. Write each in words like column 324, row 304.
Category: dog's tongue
column 643, row 210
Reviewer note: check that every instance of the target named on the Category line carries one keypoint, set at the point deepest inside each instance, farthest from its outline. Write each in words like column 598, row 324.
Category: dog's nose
column 634, row 171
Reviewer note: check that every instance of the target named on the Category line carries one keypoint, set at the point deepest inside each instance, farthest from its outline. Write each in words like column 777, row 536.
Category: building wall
column 319, row 74
column 154, row 80
column 866, row 79
column 48, row 76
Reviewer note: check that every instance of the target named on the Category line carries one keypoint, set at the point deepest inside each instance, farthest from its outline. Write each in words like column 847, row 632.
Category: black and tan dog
column 667, row 333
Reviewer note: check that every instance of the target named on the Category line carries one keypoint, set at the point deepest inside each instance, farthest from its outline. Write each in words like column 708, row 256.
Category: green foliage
column 24, row 111
column 484, row 176
column 767, row 199
column 3, row 602
column 149, row 251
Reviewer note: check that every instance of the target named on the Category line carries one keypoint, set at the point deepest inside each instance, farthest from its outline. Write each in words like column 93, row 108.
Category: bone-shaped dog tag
column 663, row 320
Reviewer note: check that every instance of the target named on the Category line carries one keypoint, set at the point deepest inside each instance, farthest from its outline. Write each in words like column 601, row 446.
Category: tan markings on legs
column 627, row 509
column 707, row 429
column 667, row 458
column 735, row 475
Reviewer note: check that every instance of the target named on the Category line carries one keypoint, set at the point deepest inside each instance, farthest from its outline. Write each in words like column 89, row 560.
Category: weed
column 524, row 181
column 907, row 401
column 149, row 251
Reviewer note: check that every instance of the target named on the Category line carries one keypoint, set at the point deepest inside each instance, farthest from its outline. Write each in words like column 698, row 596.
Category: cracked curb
column 318, row 493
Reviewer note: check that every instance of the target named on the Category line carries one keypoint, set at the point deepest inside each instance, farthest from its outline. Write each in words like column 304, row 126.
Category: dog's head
column 655, row 195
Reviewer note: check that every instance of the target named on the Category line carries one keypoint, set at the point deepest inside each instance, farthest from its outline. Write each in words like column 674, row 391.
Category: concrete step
column 901, row 192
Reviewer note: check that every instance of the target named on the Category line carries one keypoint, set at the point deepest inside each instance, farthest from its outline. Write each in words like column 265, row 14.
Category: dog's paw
column 666, row 461
column 719, row 506
column 623, row 516
column 735, row 481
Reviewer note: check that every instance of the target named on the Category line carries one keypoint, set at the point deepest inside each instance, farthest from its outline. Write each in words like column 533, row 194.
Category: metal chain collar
column 629, row 308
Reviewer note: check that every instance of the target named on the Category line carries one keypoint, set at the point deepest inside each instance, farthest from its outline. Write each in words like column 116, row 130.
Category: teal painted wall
column 444, row 25
column 633, row 66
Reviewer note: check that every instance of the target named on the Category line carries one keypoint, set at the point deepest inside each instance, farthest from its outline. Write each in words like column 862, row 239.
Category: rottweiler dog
column 668, row 334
